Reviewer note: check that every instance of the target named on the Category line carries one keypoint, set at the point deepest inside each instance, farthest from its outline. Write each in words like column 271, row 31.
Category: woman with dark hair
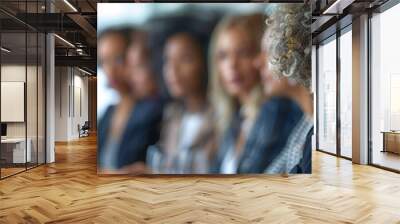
column 141, row 76
column 187, row 138
column 129, row 127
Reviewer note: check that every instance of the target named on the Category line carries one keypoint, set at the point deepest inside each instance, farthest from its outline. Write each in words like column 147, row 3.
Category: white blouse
column 230, row 162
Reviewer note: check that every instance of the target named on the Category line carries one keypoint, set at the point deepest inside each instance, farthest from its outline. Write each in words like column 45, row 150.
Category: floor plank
column 69, row 191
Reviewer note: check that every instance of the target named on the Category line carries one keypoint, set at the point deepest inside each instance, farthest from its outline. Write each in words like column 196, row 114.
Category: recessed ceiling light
column 64, row 40
column 84, row 71
column 70, row 5
column 337, row 6
column 5, row 50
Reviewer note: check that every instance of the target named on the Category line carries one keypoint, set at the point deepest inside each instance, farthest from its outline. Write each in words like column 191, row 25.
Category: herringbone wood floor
column 69, row 191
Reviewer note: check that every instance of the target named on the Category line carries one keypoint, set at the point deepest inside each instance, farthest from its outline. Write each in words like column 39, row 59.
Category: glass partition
column 31, row 100
column 385, row 89
column 327, row 96
column 22, row 78
column 41, row 109
column 13, row 103
column 346, row 93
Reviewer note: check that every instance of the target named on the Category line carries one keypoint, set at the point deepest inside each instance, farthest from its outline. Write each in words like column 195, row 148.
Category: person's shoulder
column 280, row 109
column 148, row 109
column 279, row 104
column 274, row 104
column 108, row 112
column 104, row 120
column 151, row 104
column 277, row 101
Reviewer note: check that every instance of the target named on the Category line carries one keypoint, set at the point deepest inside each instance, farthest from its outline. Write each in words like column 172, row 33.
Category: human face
column 235, row 55
column 111, row 56
column 141, row 77
column 272, row 84
column 184, row 66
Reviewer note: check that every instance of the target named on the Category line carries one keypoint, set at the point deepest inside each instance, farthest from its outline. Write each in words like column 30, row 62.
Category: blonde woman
column 235, row 93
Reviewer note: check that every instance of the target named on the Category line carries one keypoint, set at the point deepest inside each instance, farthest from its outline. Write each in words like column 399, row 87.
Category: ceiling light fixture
column 328, row 10
column 70, row 5
column 337, row 7
column 84, row 71
column 5, row 50
column 64, row 40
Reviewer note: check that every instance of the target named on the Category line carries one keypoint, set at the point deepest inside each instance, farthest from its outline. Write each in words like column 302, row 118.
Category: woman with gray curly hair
column 287, row 54
column 285, row 64
column 284, row 123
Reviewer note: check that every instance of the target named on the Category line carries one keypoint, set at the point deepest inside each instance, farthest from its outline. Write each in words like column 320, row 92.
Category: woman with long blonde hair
column 235, row 90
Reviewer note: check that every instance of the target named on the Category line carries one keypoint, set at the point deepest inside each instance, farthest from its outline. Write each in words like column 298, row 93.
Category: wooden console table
column 391, row 141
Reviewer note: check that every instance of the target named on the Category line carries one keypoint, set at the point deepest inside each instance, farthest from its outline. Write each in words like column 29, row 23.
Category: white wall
column 61, row 103
column 33, row 126
column 12, row 101
column 16, row 73
column 79, row 117
column 71, row 93
column 12, row 73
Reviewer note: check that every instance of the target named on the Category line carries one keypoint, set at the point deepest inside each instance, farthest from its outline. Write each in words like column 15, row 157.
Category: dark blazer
column 268, row 136
column 142, row 130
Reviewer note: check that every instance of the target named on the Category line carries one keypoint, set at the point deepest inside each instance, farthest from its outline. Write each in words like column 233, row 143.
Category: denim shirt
column 268, row 137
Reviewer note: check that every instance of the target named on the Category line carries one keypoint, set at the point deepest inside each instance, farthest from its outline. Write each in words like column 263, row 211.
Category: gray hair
column 288, row 42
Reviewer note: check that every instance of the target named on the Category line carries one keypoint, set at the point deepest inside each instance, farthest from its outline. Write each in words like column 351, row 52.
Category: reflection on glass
column 394, row 101
column 31, row 100
column 41, row 97
column 327, row 97
column 14, row 153
column 23, row 91
column 385, row 84
column 346, row 94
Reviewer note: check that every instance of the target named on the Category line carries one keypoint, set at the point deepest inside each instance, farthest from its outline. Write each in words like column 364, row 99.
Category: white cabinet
column 19, row 155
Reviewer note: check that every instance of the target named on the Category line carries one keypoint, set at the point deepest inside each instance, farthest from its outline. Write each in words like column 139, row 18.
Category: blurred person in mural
column 236, row 91
column 285, row 64
column 142, row 78
column 187, row 136
column 128, row 128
